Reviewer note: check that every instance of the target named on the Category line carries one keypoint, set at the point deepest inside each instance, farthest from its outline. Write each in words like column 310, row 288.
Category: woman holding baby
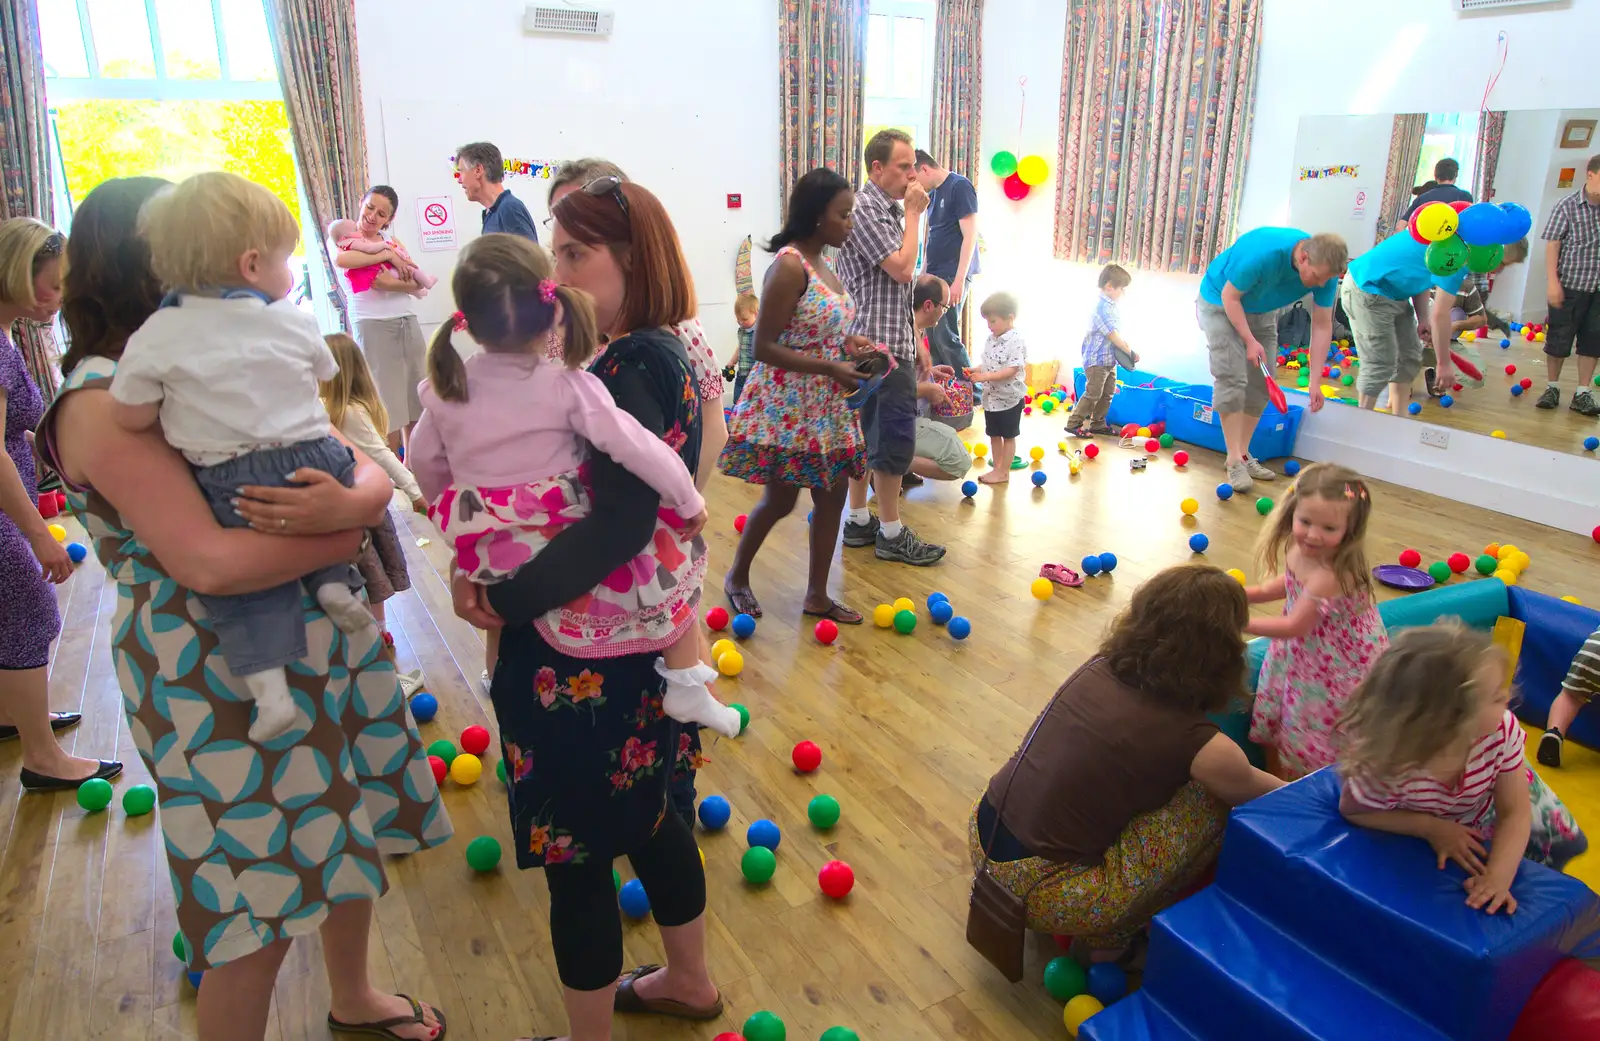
column 381, row 284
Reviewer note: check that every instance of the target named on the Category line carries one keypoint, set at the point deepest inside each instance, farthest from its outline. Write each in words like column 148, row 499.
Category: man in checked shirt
column 1572, row 274
column 878, row 267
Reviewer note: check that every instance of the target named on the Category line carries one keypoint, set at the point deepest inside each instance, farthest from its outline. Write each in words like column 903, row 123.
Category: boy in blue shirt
column 1100, row 348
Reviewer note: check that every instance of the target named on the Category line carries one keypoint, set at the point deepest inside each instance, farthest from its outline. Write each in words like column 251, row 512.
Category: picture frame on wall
column 1566, row 177
column 1577, row 133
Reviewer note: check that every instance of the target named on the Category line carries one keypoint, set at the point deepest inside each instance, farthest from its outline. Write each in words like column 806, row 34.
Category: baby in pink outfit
column 346, row 235
column 499, row 452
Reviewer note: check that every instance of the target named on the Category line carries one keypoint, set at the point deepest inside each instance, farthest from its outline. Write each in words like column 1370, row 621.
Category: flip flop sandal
column 1061, row 575
column 838, row 613
column 864, row 390
column 59, row 721
column 385, row 1027
column 744, row 602
column 629, row 1002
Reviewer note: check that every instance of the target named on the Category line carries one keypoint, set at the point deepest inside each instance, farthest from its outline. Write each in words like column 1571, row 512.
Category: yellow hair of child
column 352, row 386
column 1333, row 483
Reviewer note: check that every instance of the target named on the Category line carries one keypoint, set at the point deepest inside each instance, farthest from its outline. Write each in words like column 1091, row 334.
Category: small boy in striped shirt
column 1583, row 680
column 1100, row 347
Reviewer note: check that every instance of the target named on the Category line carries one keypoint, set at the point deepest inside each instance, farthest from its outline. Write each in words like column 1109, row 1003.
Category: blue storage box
column 1141, row 397
column 1190, row 418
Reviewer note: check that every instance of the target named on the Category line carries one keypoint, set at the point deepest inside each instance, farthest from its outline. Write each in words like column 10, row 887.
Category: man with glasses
column 878, row 267
column 482, row 171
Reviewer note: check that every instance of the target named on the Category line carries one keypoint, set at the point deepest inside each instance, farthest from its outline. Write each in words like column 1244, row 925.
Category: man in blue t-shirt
column 1442, row 188
column 481, row 170
column 1243, row 290
column 951, row 252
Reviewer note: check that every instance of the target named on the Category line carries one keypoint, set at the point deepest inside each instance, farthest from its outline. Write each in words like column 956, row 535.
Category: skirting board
column 1556, row 489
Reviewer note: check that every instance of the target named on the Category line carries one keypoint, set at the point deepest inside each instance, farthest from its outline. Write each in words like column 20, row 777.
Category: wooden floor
column 911, row 728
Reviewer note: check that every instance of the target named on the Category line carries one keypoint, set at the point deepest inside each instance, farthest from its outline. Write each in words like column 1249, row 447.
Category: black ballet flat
column 36, row 782
column 59, row 721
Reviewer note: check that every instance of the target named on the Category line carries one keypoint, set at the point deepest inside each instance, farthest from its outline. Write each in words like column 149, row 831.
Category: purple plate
column 1398, row 576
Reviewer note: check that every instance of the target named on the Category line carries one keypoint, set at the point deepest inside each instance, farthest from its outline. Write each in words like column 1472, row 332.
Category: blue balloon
column 1291, row 467
column 424, row 707
column 635, row 904
column 1039, row 477
column 1090, row 564
column 941, row 612
column 1518, row 222
column 1224, row 491
column 743, row 625
column 1108, row 562
column 1198, row 542
column 1445, row 401
column 969, row 488
column 960, row 628
column 714, row 812
column 1107, row 982
column 1483, row 224
column 1415, row 408
column 1516, row 390
column 764, row 833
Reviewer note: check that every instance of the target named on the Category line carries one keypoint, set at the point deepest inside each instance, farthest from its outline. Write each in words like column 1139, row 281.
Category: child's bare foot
column 996, row 476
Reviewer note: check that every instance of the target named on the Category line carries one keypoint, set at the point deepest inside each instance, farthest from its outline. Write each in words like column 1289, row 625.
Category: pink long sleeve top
column 527, row 420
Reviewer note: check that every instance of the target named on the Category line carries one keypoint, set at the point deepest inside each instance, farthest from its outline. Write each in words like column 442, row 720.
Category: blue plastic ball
column 1591, row 443
column 424, row 707
column 1516, row 390
column 1198, row 542
column 941, row 612
column 1108, row 562
column 1445, row 401
column 1107, row 982
column 714, row 812
column 1516, row 327
column 195, row 978
column 764, row 833
column 77, row 551
column 632, row 898
column 960, row 627
column 1090, row 564
column 1224, row 490
column 743, row 626
column 936, row 596
column 1291, row 467
column 1334, row 373
column 969, row 488
column 1505, row 343
column 1415, row 408
column 1039, row 477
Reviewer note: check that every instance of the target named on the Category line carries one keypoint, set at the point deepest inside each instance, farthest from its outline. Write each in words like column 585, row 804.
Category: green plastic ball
column 500, row 770
column 1486, row 564
column 1165, row 440
column 1048, row 406
column 840, row 1034
column 1064, row 979
column 444, row 750
column 616, row 880
column 823, row 811
column 1263, row 506
column 94, row 794
column 1440, row 571
column 180, row 950
column 905, row 621
column 1348, row 380
column 758, row 865
column 764, row 1026
column 483, row 853
column 1303, row 381
column 744, row 715
column 138, row 800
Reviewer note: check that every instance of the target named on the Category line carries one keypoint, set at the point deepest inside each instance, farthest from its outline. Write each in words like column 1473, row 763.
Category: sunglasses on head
column 609, row 185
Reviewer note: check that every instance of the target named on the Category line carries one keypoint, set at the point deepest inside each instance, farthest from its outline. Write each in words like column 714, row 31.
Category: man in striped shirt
column 1583, row 679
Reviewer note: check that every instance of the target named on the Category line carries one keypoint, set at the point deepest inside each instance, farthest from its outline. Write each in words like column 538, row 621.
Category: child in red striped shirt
column 1430, row 748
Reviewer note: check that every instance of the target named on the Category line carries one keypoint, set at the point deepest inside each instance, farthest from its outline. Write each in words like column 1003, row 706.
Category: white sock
column 861, row 516
column 689, row 700
column 275, row 709
column 1555, row 386
column 892, row 529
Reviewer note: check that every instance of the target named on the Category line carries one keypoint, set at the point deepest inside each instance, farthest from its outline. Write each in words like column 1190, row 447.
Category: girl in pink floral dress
column 1330, row 632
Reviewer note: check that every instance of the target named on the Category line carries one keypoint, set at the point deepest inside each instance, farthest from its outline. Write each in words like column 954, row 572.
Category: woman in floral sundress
column 792, row 428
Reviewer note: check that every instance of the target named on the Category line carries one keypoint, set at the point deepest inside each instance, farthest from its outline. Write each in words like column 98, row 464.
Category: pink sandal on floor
column 1061, row 575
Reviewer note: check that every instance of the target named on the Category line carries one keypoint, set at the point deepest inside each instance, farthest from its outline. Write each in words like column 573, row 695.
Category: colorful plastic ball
column 57, row 532
column 1501, row 434
column 941, row 612
column 765, row 833
column 1459, row 562
column 1445, row 401
column 1236, row 575
column 500, row 770
column 1090, row 564
column 758, row 864
column 731, row 663
column 960, row 627
column 1198, row 542
column 764, row 1026
column 1506, row 551
column 807, row 757
column 969, row 488
column 632, row 899
column 424, row 707
column 1036, row 453
column 77, row 551
column 1538, row 337
column 1511, row 370
column 1078, row 1010
column 1108, row 563
column 905, row 621
column 1048, row 405
column 138, row 800
column 1180, row 458
column 483, row 853
column 1224, row 491
column 721, row 647
column 1152, row 446
column 1291, row 467
column 823, row 811
column 883, row 616
column 466, row 768
column 1415, row 408
column 839, row 1034
column 1190, row 507
column 714, row 812
column 1303, row 381
column 1573, row 600
column 444, row 750
column 717, row 619
column 905, row 603
column 1596, row 534
column 1107, row 982
column 1516, row 390
column 1264, row 506
column 744, row 626
column 1064, row 979
column 440, row 768
column 744, row 715
column 980, row 450
column 1527, row 384
column 1410, row 558
column 836, row 879
column 1138, row 432
column 1506, row 575
column 1486, row 565
column 1165, row 440
column 1492, row 550
column 1505, row 342
column 616, row 880
column 1090, row 451
column 475, row 739
column 1042, row 588
column 1590, row 443
column 1440, row 571
column 1039, row 477
column 826, row 631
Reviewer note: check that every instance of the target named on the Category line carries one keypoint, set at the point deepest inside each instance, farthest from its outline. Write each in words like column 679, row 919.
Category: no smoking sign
column 436, row 223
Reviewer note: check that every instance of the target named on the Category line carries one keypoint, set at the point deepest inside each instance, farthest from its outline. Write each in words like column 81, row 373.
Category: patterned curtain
column 957, row 86
column 314, row 44
column 25, row 183
column 1405, row 152
column 1157, row 100
column 822, row 50
column 1491, row 128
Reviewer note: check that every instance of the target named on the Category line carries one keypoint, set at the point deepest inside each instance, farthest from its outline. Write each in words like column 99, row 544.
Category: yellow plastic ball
column 904, row 603
column 1469, row 335
column 1042, row 588
column 58, row 533
column 1538, row 337
column 1036, row 453
column 720, row 648
column 1061, row 446
column 1573, row 600
column 980, row 450
column 1508, row 548
column 1519, row 561
column 883, row 616
column 1436, row 221
column 731, row 663
column 1190, row 507
column 1236, row 574
column 1329, row 390
column 1143, row 431
column 466, row 768
column 1501, row 434
column 702, row 856
column 1506, row 575
column 1079, row 1009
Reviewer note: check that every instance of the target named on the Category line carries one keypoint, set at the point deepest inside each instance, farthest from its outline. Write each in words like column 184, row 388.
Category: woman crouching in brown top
column 1116, row 801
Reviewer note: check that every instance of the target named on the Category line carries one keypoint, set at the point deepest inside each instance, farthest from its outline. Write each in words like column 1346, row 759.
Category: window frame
column 913, row 112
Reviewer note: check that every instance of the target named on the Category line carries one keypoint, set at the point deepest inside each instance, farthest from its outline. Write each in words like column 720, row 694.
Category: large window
column 899, row 81
column 1449, row 135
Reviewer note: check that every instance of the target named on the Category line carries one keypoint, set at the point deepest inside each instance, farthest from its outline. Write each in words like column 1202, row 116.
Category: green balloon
column 1004, row 164
column 139, row 800
column 1263, row 506
column 840, row 1034
column 744, row 716
column 1440, row 571
column 94, row 794
column 1486, row 564
column 1165, row 440
column 1483, row 259
column 905, row 621
column 444, row 750
column 1447, row 256
column 483, row 853
column 823, row 811
column 180, row 949
column 1064, row 979
column 758, row 865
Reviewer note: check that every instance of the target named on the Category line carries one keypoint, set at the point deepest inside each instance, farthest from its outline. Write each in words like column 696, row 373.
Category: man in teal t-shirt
column 1387, row 298
column 1244, row 288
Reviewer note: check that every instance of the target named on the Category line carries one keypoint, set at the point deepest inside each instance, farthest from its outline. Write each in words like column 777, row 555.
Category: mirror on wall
column 1358, row 176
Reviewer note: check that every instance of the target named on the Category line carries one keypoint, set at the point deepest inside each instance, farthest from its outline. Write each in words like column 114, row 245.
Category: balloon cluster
column 1471, row 235
column 1019, row 176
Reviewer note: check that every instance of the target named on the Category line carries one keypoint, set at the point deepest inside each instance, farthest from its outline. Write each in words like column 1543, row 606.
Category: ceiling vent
column 567, row 21
column 1468, row 6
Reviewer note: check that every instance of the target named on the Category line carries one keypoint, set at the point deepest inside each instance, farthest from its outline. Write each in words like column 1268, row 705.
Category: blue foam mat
column 1555, row 632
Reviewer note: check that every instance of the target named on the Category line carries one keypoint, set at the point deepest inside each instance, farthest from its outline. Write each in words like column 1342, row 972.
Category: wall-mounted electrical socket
column 1438, row 437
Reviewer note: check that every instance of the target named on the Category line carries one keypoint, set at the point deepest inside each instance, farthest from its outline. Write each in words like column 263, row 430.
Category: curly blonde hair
column 1333, row 483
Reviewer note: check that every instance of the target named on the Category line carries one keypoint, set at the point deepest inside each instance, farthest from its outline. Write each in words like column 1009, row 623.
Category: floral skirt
column 646, row 605
column 1157, row 857
column 794, row 428
column 1554, row 837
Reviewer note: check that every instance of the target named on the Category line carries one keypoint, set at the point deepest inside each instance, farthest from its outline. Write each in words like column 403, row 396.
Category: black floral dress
column 591, row 760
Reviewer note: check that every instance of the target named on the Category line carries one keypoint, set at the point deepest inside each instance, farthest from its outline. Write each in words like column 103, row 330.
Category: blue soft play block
column 1376, row 906
column 1555, row 632
column 1134, row 1018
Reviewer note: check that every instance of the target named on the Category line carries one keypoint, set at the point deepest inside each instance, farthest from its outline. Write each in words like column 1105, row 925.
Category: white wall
column 1330, row 204
column 704, row 75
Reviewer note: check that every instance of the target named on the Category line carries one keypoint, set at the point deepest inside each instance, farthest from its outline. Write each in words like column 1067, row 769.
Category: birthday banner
column 546, row 168
column 1318, row 173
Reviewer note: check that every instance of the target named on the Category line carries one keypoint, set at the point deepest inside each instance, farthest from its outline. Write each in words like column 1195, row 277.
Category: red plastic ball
column 738, row 523
column 475, row 739
column 827, row 631
column 1510, row 370
column 807, row 756
column 1027, row 410
column 1027, row 399
column 441, row 771
column 728, row 1036
column 1063, row 942
column 1152, row 446
column 1180, row 458
column 1326, row 371
column 1459, row 562
column 836, row 879
column 1596, row 534
column 1526, row 383
column 717, row 619
column 1090, row 451
column 1410, row 558
column 1456, row 387
column 1157, row 429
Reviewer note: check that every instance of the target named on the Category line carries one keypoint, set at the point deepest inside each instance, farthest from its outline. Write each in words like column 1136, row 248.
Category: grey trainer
column 859, row 535
column 1549, row 399
column 906, row 548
